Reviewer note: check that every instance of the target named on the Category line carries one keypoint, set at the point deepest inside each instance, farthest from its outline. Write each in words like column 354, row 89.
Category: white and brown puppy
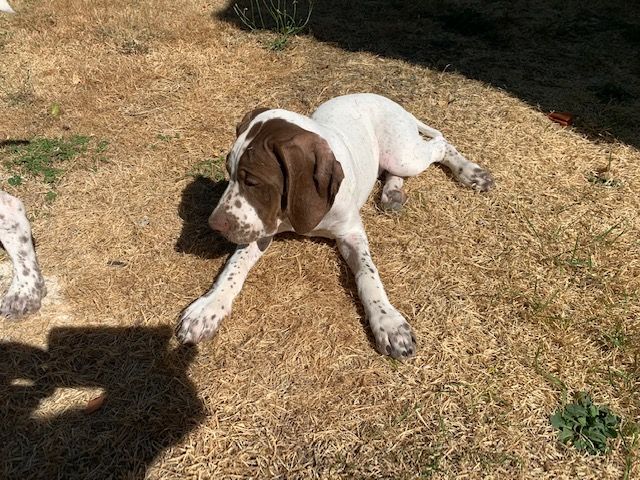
column 289, row 172
column 27, row 287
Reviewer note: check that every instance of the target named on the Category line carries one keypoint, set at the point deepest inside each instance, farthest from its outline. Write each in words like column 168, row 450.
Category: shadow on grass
column 150, row 404
column 579, row 57
column 199, row 198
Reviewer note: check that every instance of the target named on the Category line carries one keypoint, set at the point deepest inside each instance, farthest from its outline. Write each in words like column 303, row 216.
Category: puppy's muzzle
column 220, row 223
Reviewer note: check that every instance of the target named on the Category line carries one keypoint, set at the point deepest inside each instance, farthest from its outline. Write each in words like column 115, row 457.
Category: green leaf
column 557, row 421
column 565, row 435
column 585, row 425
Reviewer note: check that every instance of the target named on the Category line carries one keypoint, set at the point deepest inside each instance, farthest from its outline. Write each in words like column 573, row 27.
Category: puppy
column 311, row 175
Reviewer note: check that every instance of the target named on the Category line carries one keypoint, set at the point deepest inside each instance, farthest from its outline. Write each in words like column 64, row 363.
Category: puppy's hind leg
column 467, row 173
column 406, row 154
column 393, row 197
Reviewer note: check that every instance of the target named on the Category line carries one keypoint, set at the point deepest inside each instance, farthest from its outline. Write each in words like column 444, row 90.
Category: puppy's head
column 278, row 172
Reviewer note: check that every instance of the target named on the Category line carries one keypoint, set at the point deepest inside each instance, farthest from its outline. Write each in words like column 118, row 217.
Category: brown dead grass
column 291, row 384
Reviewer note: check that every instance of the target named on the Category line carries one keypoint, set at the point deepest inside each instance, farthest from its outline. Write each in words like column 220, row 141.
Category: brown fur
column 248, row 117
column 287, row 171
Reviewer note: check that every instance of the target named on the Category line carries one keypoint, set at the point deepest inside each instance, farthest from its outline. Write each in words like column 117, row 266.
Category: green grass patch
column 585, row 425
column 48, row 159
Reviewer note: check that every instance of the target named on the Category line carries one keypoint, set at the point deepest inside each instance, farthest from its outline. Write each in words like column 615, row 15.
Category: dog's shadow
column 199, row 198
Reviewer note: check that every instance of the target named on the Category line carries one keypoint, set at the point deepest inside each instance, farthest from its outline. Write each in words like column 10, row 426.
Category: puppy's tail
column 427, row 130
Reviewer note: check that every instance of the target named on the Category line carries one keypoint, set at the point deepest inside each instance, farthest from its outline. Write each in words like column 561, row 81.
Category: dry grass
column 291, row 386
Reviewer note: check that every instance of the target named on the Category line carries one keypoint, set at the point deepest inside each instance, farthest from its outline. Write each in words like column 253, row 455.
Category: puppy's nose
column 219, row 223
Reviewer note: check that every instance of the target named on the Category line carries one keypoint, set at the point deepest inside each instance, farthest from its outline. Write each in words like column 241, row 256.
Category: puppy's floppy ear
column 312, row 177
column 246, row 120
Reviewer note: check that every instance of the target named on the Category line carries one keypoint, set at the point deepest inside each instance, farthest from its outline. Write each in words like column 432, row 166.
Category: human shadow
column 578, row 57
column 198, row 200
column 148, row 404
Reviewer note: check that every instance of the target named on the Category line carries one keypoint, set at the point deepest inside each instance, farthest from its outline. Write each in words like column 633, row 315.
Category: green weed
column 284, row 17
column 615, row 338
column 585, row 425
column 41, row 157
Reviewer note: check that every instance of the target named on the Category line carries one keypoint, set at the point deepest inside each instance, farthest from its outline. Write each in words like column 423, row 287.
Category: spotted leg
column 200, row 320
column 392, row 332
column 466, row 172
column 27, row 287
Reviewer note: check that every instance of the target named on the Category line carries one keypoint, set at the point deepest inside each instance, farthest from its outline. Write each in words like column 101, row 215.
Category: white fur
column 5, row 7
column 27, row 286
column 368, row 135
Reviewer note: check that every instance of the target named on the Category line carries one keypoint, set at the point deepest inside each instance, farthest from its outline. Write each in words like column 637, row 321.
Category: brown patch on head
column 288, row 171
column 248, row 117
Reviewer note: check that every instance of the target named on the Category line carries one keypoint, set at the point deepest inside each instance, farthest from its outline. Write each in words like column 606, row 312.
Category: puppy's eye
column 250, row 180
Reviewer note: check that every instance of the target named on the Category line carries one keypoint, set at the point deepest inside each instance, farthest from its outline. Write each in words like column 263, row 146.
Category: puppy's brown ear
column 312, row 177
column 246, row 120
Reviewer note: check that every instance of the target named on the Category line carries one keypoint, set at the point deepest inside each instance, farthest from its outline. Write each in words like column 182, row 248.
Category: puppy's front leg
column 200, row 320
column 27, row 287
column 392, row 332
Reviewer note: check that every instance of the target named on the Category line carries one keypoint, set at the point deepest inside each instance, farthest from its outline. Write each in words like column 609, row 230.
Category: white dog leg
column 201, row 319
column 392, row 332
column 27, row 287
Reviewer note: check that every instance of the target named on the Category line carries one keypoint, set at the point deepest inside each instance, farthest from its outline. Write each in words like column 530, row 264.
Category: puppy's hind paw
column 476, row 177
column 482, row 180
column 393, row 201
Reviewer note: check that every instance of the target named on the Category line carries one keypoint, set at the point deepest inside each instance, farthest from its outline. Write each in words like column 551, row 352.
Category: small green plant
column 284, row 17
column 278, row 44
column 167, row 138
column 50, row 196
column 585, row 425
column 15, row 180
column 615, row 338
column 577, row 261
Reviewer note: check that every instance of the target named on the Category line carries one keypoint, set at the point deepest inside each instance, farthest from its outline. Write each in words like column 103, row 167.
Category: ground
column 511, row 294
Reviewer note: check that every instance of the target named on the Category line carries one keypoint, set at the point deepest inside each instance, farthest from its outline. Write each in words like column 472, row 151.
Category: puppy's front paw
column 23, row 298
column 200, row 321
column 393, row 334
